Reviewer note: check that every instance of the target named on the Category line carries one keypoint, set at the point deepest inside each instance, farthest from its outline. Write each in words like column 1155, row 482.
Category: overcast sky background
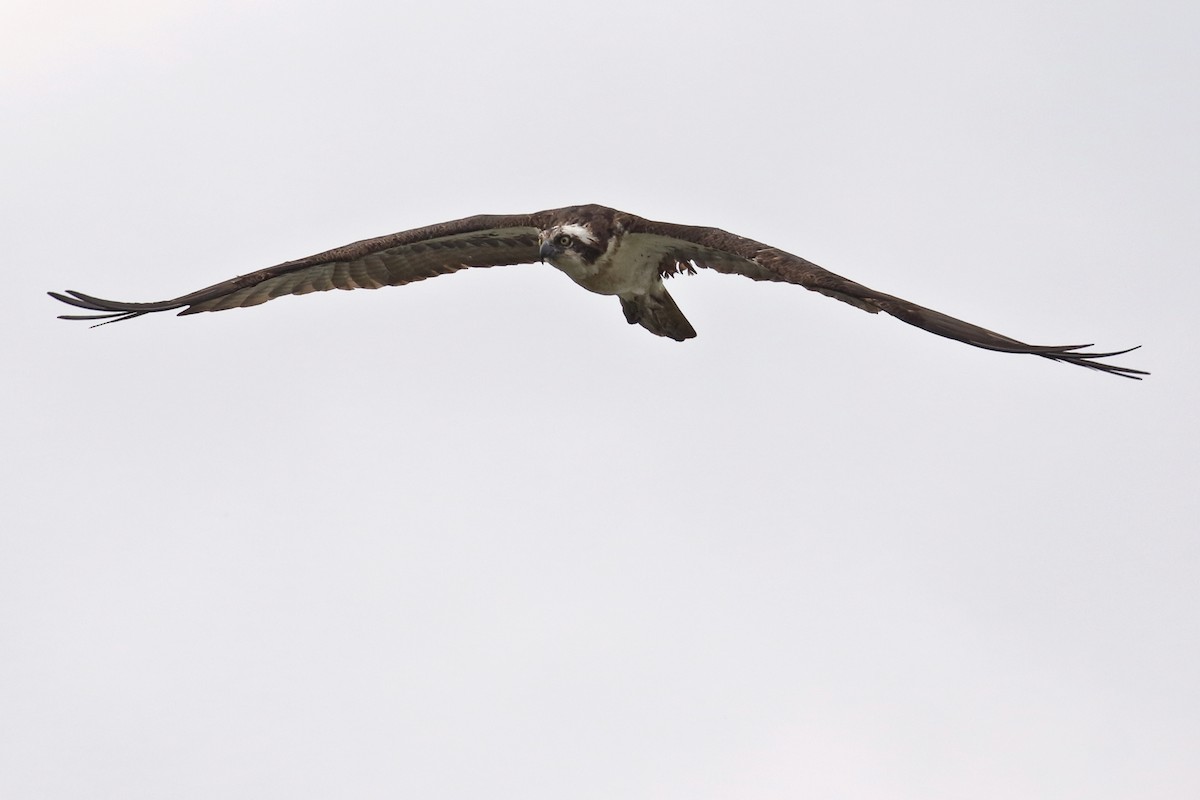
column 477, row 537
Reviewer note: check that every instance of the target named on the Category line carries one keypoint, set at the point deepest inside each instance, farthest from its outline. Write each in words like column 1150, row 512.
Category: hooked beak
column 549, row 250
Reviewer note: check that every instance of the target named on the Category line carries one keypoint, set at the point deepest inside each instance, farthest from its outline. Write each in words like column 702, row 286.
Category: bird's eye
column 563, row 240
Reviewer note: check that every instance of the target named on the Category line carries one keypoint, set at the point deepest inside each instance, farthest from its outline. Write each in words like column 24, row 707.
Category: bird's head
column 571, row 244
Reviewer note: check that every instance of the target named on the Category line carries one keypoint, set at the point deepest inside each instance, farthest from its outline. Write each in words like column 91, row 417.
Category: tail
column 656, row 312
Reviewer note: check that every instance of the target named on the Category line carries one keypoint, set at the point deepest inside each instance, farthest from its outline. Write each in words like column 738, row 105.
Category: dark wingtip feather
column 1107, row 355
column 1088, row 360
column 111, row 310
column 952, row 328
column 91, row 316
column 72, row 301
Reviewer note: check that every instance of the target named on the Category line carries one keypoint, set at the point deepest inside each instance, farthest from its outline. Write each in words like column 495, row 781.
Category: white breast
column 629, row 267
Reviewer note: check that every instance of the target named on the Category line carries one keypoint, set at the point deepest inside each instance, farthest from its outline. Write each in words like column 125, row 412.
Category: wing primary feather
column 951, row 328
column 95, row 316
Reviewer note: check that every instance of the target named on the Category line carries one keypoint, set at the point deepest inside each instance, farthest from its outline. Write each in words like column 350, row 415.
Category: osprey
column 603, row 250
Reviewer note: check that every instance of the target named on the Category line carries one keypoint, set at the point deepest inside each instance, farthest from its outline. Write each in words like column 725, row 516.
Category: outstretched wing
column 480, row 241
column 683, row 246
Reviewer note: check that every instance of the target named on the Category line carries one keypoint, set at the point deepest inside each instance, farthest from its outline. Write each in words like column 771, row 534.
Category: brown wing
column 684, row 246
column 480, row 241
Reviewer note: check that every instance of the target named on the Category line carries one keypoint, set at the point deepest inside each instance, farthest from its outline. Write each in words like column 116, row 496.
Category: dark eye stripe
column 589, row 252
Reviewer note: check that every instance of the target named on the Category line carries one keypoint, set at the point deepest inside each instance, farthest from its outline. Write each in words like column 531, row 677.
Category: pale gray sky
column 477, row 537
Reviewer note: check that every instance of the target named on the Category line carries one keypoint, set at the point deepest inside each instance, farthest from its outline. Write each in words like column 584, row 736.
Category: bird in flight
column 603, row 250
